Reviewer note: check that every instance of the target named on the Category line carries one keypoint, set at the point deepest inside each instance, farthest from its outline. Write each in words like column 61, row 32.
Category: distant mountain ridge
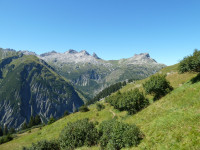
column 91, row 74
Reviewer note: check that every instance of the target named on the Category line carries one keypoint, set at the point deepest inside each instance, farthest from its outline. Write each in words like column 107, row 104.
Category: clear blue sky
column 114, row 29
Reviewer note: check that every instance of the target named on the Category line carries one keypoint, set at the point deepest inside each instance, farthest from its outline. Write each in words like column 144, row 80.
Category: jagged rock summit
column 70, row 56
column 142, row 58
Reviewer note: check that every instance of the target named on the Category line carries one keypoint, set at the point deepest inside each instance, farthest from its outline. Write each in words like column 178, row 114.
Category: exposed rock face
column 70, row 56
column 90, row 74
column 28, row 53
column 29, row 87
column 95, row 56
column 142, row 58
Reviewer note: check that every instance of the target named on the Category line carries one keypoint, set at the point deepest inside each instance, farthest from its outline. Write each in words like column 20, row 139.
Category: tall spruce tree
column 31, row 122
column 24, row 126
column 37, row 120
column 5, row 130
column 1, row 131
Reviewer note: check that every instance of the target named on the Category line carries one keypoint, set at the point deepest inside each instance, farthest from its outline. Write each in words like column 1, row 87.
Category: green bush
column 11, row 131
column 99, row 106
column 158, row 86
column 66, row 113
column 83, row 108
column 51, row 120
column 131, row 101
column 77, row 134
column 44, row 145
column 116, row 135
column 5, row 138
column 190, row 63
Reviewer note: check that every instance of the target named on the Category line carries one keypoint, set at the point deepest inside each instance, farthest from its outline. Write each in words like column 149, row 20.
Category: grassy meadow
column 173, row 122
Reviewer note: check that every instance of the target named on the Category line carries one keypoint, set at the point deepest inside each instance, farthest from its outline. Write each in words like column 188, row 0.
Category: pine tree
column 51, row 120
column 12, row 130
column 1, row 132
column 5, row 130
column 37, row 120
column 31, row 122
column 24, row 126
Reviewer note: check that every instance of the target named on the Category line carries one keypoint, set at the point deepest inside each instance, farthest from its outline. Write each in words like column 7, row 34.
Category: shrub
column 100, row 106
column 116, row 135
column 5, row 138
column 11, row 131
column 51, row 120
column 132, row 101
column 77, row 134
column 158, row 86
column 190, row 63
column 83, row 108
column 44, row 145
column 66, row 113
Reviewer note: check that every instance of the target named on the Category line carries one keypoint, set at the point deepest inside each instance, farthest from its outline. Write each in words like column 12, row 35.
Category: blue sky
column 114, row 29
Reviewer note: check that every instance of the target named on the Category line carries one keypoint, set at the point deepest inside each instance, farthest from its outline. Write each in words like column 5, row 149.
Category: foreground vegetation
column 172, row 122
column 169, row 123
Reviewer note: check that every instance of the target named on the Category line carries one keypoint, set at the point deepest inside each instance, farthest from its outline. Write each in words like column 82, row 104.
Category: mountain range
column 91, row 74
column 52, row 83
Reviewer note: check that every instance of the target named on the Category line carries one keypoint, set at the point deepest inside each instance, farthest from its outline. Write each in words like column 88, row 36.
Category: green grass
column 173, row 122
column 52, row 131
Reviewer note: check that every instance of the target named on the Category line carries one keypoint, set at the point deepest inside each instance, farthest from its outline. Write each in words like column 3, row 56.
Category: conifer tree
column 1, row 132
column 31, row 122
column 5, row 130
column 37, row 120
column 24, row 126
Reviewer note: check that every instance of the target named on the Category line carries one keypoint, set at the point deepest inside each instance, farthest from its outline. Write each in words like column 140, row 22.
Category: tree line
column 107, row 91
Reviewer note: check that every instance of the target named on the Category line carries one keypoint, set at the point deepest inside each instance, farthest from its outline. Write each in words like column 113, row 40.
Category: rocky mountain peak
column 25, row 52
column 95, row 56
column 142, row 55
column 142, row 58
column 48, row 53
column 53, row 51
column 84, row 52
column 71, row 51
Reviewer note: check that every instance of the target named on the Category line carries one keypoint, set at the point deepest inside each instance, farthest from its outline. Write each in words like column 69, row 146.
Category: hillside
column 29, row 86
column 169, row 123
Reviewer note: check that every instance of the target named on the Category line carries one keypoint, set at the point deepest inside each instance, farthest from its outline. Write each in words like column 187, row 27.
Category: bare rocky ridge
column 91, row 74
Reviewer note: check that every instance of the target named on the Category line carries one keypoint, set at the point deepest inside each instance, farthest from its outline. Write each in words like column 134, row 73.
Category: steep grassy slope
column 169, row 123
